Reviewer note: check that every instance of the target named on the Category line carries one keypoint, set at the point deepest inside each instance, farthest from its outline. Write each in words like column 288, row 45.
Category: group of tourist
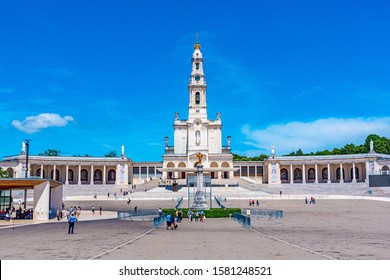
column 252, row 202
column 71, row 210
column 197, row 215
column 312, row 200
column 16, row 214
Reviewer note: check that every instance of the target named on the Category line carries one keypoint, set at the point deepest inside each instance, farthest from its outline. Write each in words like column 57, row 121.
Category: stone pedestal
column 200, row 198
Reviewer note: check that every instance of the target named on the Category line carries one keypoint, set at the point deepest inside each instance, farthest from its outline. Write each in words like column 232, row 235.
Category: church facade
column 197, row 134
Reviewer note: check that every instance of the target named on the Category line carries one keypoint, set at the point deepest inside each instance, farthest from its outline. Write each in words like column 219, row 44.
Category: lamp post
column 27, row 143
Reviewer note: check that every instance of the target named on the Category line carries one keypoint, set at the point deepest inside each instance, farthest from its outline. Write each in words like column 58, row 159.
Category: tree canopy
column 50, row 153
column 4, row 173
column 381, row 146
column 110, row 154
column 245, row 158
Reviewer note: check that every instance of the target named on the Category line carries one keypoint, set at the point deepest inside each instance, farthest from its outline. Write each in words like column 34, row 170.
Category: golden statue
column 200, row 156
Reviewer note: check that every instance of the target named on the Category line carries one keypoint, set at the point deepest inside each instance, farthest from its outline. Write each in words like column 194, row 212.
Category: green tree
column 4, row 173
column 348, row 149
column 50, row 153
column 245, row 158
column 110, row 154
column 381, row 144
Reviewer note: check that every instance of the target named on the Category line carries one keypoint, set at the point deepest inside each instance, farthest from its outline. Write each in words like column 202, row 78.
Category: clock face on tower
column 197, row 78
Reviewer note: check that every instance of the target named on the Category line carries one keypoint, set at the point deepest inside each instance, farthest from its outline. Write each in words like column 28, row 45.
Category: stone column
column 303, row 174
column 240, row 172
column 155, row 172
column 353, row 173
column 316, row 173
column 256, row 173
column 79, row 178
column 291, row 174
column 126, row 175
column 341, row 173
column 147, row 172
column 67, row 175
column 117, row 179
column 91, row 182
column 41, row 171
column 247, row 171
column 54, row 172
column 329, row 179
column 104, row 174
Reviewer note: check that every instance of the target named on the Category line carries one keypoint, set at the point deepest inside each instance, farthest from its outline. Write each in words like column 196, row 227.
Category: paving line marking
column 117, row 247
column 291, row 244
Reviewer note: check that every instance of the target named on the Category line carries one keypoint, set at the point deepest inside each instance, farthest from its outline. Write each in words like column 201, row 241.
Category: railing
column 271, row 213
column 169, row 150
column 245, row 221
column 179, row 203
column 122, row 215
column 218, row 200
column 158, row 221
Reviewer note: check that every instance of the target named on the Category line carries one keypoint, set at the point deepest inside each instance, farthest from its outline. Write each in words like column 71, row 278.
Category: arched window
column 111, row 175
column 197, row 66
column 70, row 175
column 84, row 175
column 284, row 174
column 297, row 174
column 38, row 174
column 10, row 172
column 97, row 176
column 197, row 98
column 311, row 174
column 385, row 170
column 197, row 137
column 325, row 174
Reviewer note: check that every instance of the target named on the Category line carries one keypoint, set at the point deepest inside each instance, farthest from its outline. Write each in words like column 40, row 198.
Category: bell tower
column 197, row 108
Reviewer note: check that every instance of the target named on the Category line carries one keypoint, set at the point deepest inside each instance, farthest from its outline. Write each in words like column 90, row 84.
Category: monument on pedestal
column 200, row 194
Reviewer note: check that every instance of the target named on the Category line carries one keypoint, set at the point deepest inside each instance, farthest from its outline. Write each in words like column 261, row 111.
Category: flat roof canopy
column 29, row 183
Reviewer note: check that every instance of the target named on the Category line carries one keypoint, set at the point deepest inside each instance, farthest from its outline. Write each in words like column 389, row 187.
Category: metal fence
column 144, row 214
column 218, row 200
column 245, row 221
column 179, row 203
column 270, row 213
column 158, row 221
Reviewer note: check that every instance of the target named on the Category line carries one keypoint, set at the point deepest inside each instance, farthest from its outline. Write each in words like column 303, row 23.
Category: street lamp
column 27, row 143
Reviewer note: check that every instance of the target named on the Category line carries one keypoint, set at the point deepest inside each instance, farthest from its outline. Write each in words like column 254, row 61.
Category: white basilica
column 197, row 134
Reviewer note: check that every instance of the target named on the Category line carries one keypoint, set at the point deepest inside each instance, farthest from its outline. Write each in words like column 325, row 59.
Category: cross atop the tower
column 197, row 37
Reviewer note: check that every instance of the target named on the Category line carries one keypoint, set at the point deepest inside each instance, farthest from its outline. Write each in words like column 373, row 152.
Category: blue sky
column 85, row 77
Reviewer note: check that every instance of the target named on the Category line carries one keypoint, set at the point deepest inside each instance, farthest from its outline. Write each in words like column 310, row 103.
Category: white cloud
column 317, row 135
column 34, row 124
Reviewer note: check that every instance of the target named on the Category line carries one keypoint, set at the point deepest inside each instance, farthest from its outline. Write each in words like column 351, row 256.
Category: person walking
column 93, row 209
column 100, row 210
column 71, row 221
